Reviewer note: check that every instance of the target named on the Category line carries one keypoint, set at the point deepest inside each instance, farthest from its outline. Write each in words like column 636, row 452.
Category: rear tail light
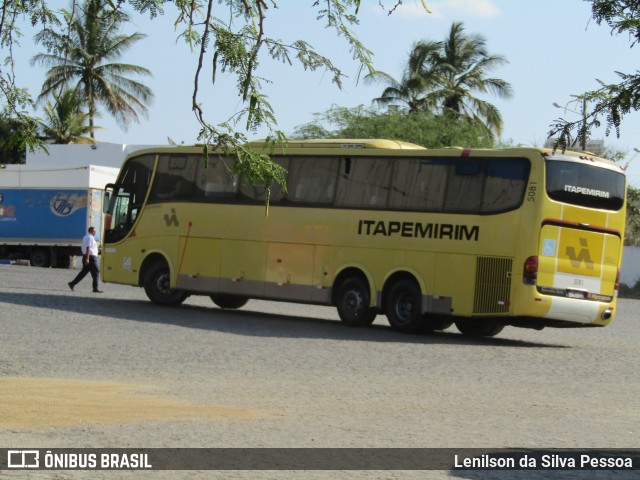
column 530, row 270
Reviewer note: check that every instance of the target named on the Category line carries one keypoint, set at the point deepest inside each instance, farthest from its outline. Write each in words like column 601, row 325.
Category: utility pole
column 583, row 129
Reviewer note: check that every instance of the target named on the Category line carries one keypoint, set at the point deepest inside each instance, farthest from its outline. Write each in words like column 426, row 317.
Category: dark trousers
column 91, row 267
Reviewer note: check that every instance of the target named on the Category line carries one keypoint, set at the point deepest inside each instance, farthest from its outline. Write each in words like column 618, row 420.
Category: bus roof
column 383, row 144
column 346, row 143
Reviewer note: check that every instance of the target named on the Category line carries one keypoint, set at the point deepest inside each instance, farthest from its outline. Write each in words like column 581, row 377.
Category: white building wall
column 57, row 176
column 107, row 154
column 630, row 271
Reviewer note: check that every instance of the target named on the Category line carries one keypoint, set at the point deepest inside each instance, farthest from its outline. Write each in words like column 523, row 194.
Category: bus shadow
column 247, row 322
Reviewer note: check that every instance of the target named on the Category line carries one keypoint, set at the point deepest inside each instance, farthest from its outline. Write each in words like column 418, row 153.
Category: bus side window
column 419, row 184
column 216, row 182
column 364, row 182
column 312, row 180
column 465, row 186
column 505, row 184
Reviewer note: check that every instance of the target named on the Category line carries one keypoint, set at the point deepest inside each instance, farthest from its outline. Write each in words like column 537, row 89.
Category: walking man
column 89, row 260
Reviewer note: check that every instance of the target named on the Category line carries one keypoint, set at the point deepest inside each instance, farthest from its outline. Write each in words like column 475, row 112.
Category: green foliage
column 632, row 232
column 611, row 102
column 422, row 128
column 621, row 15
column 15, row 135
column 632, row 225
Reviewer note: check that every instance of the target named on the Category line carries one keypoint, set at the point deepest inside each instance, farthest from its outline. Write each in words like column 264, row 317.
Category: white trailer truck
column 46, row 210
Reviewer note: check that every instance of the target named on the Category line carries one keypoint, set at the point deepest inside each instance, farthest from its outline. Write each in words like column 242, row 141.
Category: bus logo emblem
column 64, row 204
column 171, row 220
column 583, row 256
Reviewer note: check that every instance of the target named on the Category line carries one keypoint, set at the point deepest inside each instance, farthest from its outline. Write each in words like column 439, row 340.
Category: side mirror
column 106, row 199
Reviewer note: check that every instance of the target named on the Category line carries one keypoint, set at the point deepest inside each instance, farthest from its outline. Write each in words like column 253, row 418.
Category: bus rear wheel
column 353, row 303
column 478, row 327
column 156, row 285
column 230, row 302
column 403, row 307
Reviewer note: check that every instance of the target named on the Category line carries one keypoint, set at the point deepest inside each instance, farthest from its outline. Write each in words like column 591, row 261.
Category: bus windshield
column 585, row 185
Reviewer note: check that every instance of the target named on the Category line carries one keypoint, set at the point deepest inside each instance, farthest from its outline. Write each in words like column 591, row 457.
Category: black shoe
column 96, row 291
column 70, row 285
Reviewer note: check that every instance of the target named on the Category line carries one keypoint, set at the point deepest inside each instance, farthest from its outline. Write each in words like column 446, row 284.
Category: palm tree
column 418, row 78
column 83, row 56
column 463, row 63
column 444, row 77
column 65, row 121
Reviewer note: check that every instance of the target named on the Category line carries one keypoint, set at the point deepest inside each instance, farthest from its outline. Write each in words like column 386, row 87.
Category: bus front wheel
column 478, row 327
column 353, row 303
column 403, row 307
column 156, row 285
column 230, row 302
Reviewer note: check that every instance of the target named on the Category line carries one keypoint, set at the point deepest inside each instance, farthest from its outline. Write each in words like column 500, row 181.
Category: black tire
column 353, row 303
column 479, row 327
column 403, row 307
column 434, row 323
column 229, row 302
column 156, row 286
column 40, row 258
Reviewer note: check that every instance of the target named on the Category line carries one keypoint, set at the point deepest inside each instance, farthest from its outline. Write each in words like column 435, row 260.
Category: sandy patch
column 48, row 402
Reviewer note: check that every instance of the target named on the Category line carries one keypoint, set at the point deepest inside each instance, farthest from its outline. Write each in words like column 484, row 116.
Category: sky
column 553, row 47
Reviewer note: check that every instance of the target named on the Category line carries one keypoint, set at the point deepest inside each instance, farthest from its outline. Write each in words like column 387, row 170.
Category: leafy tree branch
column 611, row 102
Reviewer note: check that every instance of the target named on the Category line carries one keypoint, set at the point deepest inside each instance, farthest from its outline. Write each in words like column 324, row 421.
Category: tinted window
column 174, row 180
column 135, row 177
column 186, row 177
column 420, row 185
column 445, row 184
column 459, row 185
column 465, row 185
column 312, row 180
column 215, row 181
column 364, row 182
column 505, row 184
column 585, row 185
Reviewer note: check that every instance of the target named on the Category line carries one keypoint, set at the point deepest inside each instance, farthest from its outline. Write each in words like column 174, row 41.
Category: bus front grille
column 493, row 285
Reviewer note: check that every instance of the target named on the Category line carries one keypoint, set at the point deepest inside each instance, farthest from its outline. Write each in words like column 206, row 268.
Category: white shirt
column 89, row 241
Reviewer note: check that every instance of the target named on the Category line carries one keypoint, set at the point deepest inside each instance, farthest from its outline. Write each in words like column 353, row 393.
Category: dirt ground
column 35, row 403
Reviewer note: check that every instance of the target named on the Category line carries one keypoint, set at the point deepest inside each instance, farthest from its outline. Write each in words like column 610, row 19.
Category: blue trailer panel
column 44, row 215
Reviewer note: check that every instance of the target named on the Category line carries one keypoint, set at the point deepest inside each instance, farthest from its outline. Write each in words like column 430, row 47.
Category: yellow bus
column 525, row 237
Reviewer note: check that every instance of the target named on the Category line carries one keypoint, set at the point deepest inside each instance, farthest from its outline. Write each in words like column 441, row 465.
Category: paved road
column 79, row 369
